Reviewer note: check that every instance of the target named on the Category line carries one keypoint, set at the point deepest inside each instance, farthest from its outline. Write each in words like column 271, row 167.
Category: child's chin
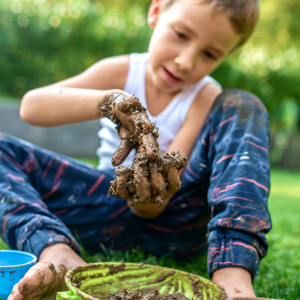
column 167, row 87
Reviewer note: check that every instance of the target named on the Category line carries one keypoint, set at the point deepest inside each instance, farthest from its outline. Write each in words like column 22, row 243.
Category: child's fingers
column 182, row 160
column 170, row 194
column 159, row 199
column 121, row 153
column 134, row 121
column 174, row 183
column 143, row 190
column 149, row 143
column 125, row 103
column 154, row 178
column 121, row 187
column 124, row 118
column 140, row 119
column 158, row 182
column 124, row 133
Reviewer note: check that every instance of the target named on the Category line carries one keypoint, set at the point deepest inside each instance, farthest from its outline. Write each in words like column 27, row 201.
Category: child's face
column 189, row 41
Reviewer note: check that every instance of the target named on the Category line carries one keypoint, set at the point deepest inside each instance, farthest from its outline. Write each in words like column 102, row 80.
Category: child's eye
column 210, row 55
column 180, row 35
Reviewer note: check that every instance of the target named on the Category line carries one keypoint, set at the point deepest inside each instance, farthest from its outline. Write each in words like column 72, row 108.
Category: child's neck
column 156, row 99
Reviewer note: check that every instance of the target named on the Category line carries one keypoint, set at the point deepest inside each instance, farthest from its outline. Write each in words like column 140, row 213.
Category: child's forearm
column 55, row 106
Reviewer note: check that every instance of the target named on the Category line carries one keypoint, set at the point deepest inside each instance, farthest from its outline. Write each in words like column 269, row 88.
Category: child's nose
column 186, row 61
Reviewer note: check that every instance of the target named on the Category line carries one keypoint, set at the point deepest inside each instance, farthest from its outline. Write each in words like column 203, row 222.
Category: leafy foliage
column 44, row 41
column 47, row 41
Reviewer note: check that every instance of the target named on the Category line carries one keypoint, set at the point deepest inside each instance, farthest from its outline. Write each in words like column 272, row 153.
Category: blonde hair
column 242, row 13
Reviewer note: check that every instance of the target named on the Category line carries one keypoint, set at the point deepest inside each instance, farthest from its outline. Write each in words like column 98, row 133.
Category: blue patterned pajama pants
column 47, row 198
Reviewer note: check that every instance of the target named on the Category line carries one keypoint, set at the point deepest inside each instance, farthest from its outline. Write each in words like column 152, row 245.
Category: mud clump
column 163, row 277
column 145, row 295
column 116, row 269
column 153, row 176
column 52, row 269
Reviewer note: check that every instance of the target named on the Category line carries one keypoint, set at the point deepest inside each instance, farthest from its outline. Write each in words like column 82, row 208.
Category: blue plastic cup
column 13, row 266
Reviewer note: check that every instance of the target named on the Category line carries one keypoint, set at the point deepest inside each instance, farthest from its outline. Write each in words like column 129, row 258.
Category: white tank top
column 169, row 121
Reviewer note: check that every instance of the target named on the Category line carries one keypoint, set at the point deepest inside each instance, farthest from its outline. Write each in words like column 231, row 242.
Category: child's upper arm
column 106, row 74
column 187, row 135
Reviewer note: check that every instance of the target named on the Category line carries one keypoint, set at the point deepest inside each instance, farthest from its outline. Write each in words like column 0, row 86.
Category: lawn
column 279, row 270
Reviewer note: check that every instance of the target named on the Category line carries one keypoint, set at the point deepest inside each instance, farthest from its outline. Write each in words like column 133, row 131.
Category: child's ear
column 154, row 13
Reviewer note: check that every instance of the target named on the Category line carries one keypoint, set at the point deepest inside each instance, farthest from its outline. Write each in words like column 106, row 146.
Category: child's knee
column 232, row 102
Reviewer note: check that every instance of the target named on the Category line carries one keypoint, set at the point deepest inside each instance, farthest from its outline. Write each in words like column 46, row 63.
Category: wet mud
column 116, row 269
column 52, row 269
column 145, row 295
column 153, row 176
column 163, row 277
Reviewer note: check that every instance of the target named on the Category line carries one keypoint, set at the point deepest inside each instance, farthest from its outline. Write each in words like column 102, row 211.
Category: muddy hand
column 153, row 177
column 134, row 126
column 171, row 164
column 42, row 281
column 149, row 181
column 159, row 191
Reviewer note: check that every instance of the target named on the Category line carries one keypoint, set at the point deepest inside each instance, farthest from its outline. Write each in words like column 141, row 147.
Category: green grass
column 279, row 269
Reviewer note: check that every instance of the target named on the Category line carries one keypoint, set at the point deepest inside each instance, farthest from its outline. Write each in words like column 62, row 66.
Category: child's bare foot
column 46, row 278
column 42, row 281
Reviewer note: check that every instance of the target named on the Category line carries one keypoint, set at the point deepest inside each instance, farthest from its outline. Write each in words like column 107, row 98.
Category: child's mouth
column 170, row 77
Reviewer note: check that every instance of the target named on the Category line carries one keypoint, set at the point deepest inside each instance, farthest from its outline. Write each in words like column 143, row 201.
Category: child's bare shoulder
column 208, row 94
column 204, row 101
column 106, row 74
column 200, row 109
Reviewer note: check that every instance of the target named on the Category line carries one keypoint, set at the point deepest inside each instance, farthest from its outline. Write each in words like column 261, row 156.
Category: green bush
column 45, row 41
column 49, row 41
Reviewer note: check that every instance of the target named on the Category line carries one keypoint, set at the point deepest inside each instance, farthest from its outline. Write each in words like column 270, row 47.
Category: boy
column 227, row 178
